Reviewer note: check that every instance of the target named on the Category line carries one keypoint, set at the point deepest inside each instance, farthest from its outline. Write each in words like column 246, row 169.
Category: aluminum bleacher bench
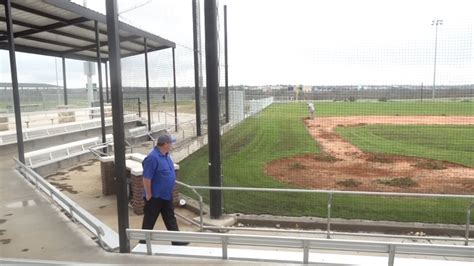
column 8, row 137
column 61, row 152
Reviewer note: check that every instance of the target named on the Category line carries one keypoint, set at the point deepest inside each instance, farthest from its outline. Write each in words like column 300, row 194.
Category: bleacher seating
column 9, row 137
column 61, row 152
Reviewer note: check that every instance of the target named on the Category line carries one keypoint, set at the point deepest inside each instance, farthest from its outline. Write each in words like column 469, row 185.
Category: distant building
column 29, row 86
column 307, row 88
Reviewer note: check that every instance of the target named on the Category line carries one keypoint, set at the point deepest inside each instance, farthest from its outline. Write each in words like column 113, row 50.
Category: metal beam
column 16, row 93
column 197, row 90
column 213, row 134
column 105, row 33
column 60, row 19
column 117, row 113
column 42, row 40
column 49, row 27
column 65, row 34
column 38, row 12
column 149, row 51
column 41, row 51
column 69, row 35
column 147, row 84
column 101, row 91
column 91, row 46
column 84, row 12
column 92, row 15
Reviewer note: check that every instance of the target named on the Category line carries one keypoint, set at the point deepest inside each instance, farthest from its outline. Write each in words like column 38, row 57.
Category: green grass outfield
column 279, row 132
column 392, row 108
column 446, row 143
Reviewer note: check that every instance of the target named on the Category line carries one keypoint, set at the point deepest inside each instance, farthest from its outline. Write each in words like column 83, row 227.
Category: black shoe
column 142, row 242
column 179, row 243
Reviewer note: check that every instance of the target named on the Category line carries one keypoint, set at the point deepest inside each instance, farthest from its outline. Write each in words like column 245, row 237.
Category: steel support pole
column 101, row 90
column 435, row 23
column 434, row 68
column 64, row 80
column 147, row 84
column 107, row 98
column 197, row 89
column 421, row 92
column 16, row 93
column 213, row 135
column 117, row 113
column 227, row 117
column 174, row 93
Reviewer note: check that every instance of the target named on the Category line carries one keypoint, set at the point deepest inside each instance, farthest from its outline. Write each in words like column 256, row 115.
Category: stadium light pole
column 436, row 23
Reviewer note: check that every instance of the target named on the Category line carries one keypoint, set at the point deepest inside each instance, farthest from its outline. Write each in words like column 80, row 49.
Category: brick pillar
column 109, row 186
column 137, row 194
column 176, row 190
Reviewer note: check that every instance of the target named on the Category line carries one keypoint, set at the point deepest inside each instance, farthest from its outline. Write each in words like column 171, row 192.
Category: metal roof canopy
column 65, row 29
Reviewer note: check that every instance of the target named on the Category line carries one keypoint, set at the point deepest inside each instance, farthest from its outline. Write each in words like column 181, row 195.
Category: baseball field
column 419, row 147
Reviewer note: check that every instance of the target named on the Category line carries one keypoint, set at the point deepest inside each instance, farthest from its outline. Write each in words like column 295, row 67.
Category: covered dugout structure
column 63, row 29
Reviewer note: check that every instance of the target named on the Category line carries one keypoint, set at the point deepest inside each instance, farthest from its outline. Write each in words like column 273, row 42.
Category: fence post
column 224, row 247
column 391, row 255
column 468, row 222
column 328, row 233
column 201, row 221
column 148, row 243
column 305, row 251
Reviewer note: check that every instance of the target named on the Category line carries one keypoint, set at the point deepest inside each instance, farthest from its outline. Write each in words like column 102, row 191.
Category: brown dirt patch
column 366, row 170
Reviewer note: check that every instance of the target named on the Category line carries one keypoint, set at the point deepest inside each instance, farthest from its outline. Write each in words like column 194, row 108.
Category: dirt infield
column 344, row 167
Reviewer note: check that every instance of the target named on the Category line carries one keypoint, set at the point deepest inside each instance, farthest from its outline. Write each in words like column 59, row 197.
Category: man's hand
column 147, row 187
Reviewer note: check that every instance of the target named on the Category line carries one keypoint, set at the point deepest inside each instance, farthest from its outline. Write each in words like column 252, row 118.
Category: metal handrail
column 166, row 119
column 190, row 122
column 97, row 149
column 329, row 206
column 69, row 205
column 201, row 204
column 336, row 192
column 304, row 243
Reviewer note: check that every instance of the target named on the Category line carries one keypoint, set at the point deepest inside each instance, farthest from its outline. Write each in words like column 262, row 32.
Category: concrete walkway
column 33, row 231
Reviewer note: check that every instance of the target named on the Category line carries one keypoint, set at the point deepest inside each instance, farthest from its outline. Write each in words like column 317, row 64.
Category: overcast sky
column 343, row 42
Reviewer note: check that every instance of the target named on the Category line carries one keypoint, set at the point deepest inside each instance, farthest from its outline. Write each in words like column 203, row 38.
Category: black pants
column 152, row 210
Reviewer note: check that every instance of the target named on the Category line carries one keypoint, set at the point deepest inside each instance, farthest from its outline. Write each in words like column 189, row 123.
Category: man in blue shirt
column 158, row 182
